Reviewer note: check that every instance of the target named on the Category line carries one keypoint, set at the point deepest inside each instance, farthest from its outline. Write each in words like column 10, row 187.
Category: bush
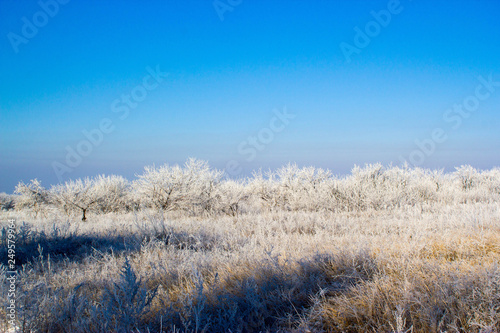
column 7, row 201
column 168, row 187
column 32, row 197
column 114, row 194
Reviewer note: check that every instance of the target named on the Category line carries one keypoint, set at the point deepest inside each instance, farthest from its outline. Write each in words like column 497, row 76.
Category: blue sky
column 228, row 78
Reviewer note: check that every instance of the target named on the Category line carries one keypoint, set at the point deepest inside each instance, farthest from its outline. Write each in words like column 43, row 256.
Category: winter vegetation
column 185, row 249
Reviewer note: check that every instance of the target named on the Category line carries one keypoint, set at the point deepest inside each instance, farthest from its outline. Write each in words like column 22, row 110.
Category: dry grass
column 409, row 269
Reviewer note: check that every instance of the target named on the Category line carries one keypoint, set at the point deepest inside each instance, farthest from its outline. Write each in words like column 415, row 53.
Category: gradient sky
column 227, row 77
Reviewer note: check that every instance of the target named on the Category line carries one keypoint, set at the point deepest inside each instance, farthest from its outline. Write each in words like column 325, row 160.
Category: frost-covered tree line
column 197, row 189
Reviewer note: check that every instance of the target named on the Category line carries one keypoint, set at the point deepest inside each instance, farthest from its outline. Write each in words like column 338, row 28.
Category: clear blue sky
column 225, row 78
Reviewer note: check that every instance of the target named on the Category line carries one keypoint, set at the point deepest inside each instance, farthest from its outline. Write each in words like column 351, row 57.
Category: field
column 181, row 249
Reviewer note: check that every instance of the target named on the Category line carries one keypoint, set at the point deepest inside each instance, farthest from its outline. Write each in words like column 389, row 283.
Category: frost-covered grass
column 431, row 270
column 364, row 257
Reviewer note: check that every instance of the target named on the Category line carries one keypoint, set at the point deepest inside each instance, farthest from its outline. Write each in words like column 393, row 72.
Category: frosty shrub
column 302, row 188
column 127, row 300
column 114, row 193
column 7, row 201
column 467, row 176
column 230, row 196
column 32, row 197
column 162, row 187
column 265, row 188
column 202, row 183
column 376, row 187
column 365, row 187
column 491, row 180
column 173, row 187
column 370, row 187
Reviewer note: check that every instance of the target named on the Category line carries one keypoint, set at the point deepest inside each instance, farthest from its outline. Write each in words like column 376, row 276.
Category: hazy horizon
column 105, row 88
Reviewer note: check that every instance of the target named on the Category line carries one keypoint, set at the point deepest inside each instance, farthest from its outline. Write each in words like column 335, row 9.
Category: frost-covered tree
column 174, row 187
column 202, row 184
column 113, row 193
column 77, row 195
column 162, row 187
column 32, row 196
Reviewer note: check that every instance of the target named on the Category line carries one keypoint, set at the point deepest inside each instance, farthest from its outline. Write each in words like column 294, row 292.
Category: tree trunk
column 83, row 217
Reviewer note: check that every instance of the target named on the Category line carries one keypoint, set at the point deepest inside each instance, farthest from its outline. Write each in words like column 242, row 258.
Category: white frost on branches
column 32, row 197
column 195, row 188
